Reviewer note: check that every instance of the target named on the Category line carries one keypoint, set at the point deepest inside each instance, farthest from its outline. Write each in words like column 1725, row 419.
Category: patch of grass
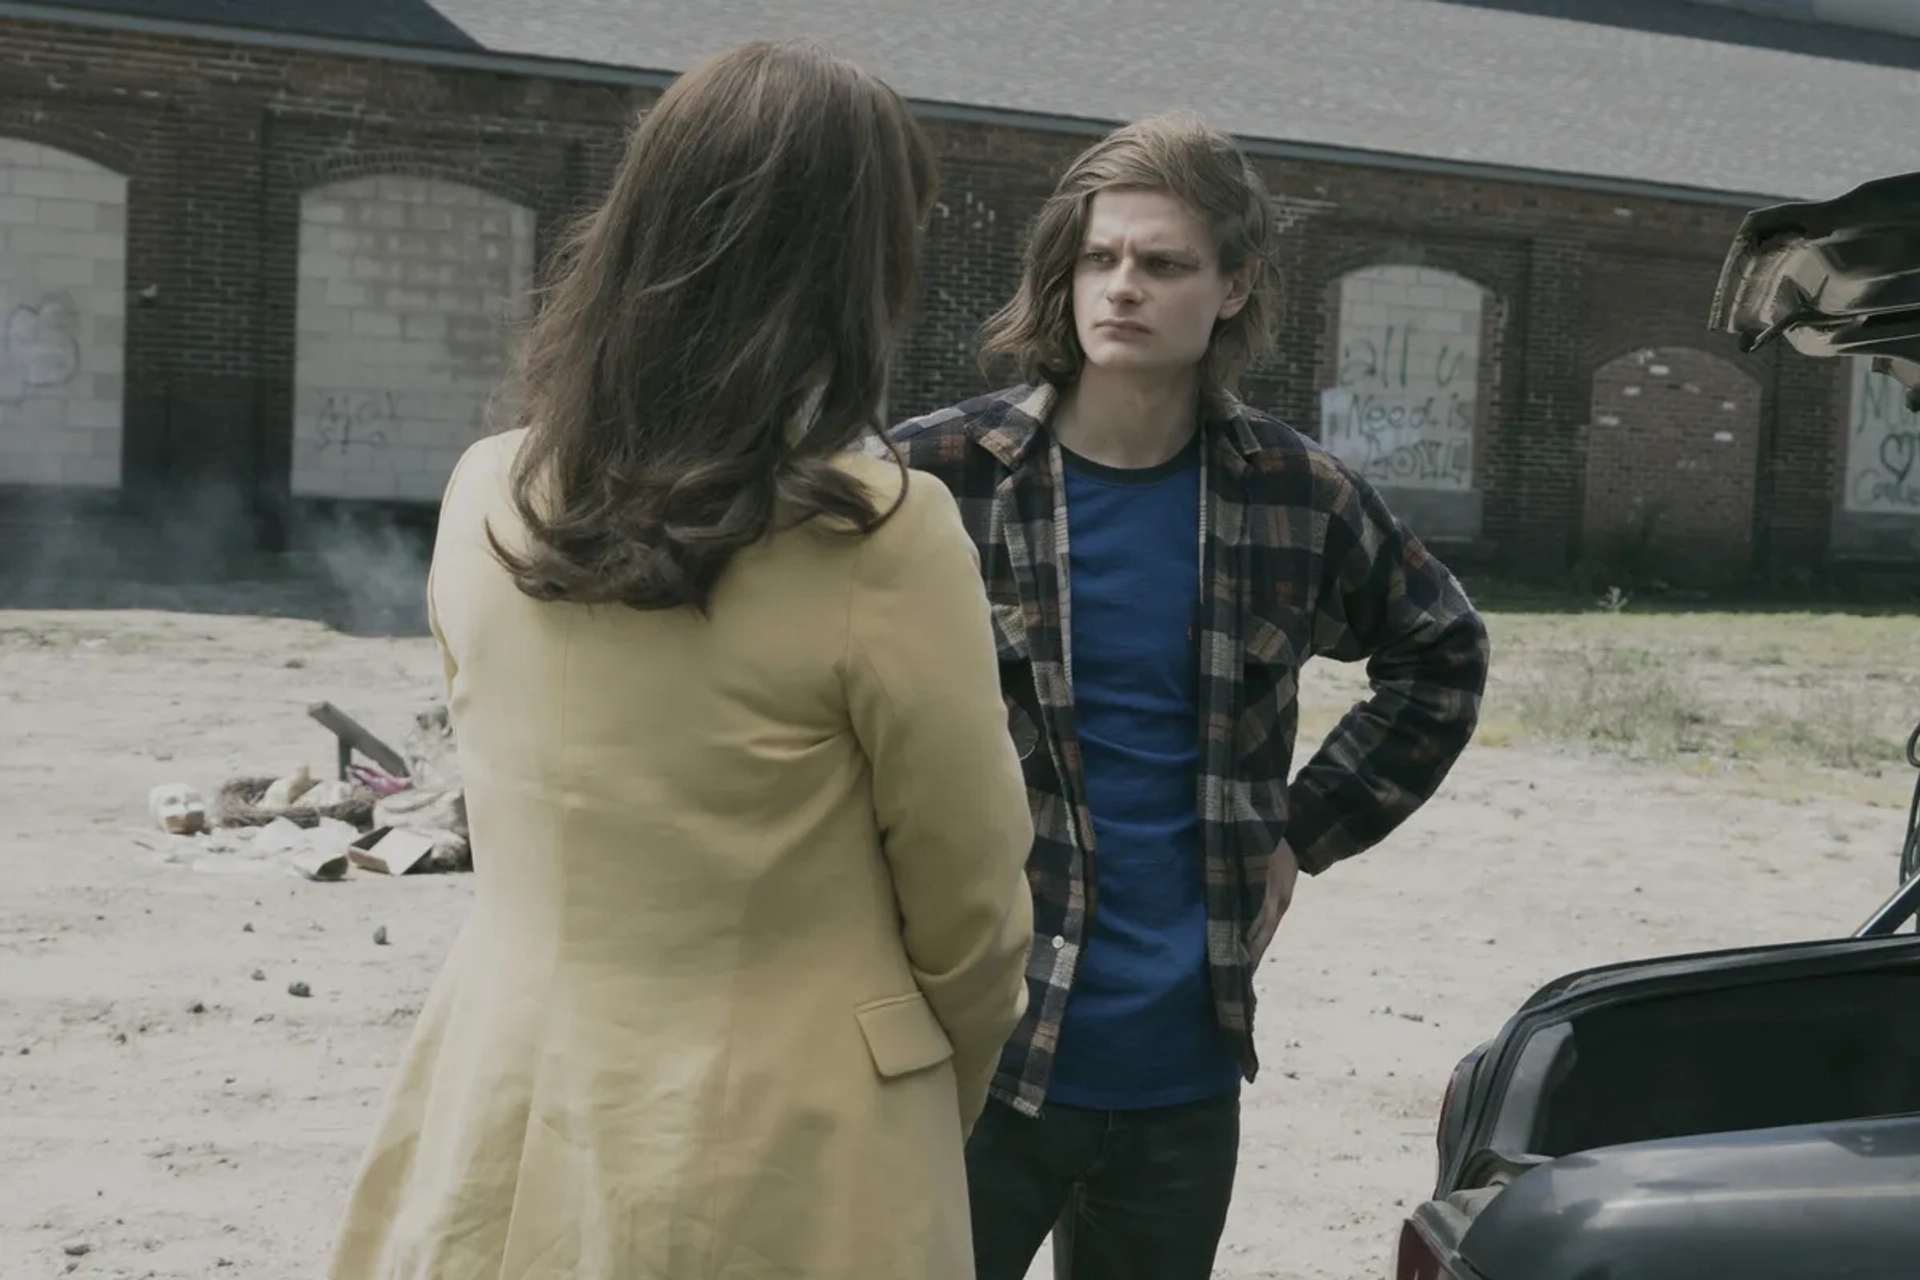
column 1783, row 702
column 1838, row 728
column 1623, row 700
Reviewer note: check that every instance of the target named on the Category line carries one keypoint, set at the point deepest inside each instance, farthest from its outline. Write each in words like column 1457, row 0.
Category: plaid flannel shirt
column 1302, row 559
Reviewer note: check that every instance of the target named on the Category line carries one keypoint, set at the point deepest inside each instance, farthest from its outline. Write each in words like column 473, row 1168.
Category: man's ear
column 1239, row 289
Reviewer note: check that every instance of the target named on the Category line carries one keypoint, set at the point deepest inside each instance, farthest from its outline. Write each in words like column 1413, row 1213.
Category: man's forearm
column 1390, row 753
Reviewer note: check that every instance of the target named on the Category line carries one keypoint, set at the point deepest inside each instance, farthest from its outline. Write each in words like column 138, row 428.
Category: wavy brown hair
column 1180, row 155
column 718, row 329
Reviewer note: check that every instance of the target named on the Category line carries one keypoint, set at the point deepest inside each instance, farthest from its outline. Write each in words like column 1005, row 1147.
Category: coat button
column 1058, row 942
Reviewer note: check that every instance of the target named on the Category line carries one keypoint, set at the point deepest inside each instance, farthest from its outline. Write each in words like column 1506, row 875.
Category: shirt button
column 1058, row 942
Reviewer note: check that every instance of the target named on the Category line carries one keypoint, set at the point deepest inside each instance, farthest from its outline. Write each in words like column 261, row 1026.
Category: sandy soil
column 169, row 1110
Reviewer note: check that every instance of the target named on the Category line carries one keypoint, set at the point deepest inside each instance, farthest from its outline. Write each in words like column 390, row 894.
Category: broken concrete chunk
column 177, row 809
column 283, row 793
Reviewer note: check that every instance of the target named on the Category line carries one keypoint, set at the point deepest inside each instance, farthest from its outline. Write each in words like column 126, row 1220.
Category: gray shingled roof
column 1487, row 82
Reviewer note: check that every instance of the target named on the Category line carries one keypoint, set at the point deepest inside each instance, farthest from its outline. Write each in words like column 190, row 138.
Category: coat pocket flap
column 903, row 1035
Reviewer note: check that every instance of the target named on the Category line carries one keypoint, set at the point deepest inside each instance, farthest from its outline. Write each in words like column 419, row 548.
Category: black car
column 1736, row 1115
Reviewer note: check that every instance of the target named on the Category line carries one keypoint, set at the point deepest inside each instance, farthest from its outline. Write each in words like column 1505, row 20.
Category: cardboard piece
column 394, row 851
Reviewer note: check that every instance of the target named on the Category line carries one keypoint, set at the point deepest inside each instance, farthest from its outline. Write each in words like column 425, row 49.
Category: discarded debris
column 259, row 975
column 283, row 793
column 433, row 809
column 378, row 781
column 239, row 804
column 321, row 864
column 177, row 809
column 282, row 835
column 318, row 852
column 327, row 795
column 300, row 989
column 380, row 936
column 397, row 815
column 353, row 736
column 396, row 851
column 198, row 1006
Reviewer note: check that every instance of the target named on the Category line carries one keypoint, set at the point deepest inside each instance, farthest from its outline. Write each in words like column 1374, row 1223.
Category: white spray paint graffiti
column 409, row 292
column 1405, row 398
column 1883, row 446
column 63, row 280
column 41, row 351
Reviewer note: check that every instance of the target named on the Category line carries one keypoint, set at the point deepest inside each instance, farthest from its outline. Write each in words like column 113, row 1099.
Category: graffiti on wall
column 40, row 352
column 403, row 337
column 1406, row 387
column 1883, row 446
column 347, row 421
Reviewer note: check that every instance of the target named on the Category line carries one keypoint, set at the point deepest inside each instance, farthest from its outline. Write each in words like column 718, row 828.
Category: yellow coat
column 749, row 926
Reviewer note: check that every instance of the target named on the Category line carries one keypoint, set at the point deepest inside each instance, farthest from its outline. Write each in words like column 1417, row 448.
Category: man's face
column 1147, row 288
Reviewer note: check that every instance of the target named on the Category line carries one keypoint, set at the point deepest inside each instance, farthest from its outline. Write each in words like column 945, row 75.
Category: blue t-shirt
column 1139, row 1029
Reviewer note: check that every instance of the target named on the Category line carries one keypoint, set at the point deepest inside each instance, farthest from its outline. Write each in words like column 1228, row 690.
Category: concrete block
column 425, row 328
column 45, row 183
column 95, row 473
column 98, row 186
column 91, row 415
column 36, row 466
column 65, row 273
column 64, row 213
column 21, row 211
column 376, row 324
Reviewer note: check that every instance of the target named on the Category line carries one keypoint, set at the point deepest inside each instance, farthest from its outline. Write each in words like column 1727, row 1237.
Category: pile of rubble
column 392, row 814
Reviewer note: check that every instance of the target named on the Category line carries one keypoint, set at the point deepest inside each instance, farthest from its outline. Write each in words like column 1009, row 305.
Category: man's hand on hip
column 1283, row 871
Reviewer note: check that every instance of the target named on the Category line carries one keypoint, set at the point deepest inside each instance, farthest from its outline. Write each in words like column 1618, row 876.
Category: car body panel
column 1763, row 1205
column 1837, row 277
column 1513, row 1068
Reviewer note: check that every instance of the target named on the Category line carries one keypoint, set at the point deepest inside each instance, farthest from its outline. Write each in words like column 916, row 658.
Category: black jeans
column 1126, row 1193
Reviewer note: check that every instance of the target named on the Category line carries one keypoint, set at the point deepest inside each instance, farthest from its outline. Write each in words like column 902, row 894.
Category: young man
column 1160, row 560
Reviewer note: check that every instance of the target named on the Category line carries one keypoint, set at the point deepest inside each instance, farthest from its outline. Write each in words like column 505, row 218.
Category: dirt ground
column 169, row 1110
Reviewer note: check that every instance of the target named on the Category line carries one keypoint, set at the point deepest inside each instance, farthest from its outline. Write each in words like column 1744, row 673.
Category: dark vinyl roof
column 1651, row 91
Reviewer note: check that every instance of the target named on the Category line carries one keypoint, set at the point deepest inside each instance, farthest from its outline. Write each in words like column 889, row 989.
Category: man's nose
column 1123, row 285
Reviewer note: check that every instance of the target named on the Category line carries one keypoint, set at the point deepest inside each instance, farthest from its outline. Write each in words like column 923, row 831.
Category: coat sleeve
column 924, row 695
column 445, row 546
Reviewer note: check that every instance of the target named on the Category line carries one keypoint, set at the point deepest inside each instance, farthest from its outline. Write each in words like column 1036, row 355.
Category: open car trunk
column 1646, row 1120
column 1835, row 277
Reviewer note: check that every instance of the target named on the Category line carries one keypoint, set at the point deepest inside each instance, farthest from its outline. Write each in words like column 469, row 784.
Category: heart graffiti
column 41, row 349
column 1899, row 450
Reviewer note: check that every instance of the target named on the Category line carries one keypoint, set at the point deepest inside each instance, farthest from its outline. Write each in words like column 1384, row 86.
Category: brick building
column 261, row 258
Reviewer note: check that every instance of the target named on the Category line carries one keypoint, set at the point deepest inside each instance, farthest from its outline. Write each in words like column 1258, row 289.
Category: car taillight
column 1416, row 1258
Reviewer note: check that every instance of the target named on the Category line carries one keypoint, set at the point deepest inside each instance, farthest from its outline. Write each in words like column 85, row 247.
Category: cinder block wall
column 249, row 283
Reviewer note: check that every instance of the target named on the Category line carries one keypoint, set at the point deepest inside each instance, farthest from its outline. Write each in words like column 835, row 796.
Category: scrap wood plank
column 353, row 736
